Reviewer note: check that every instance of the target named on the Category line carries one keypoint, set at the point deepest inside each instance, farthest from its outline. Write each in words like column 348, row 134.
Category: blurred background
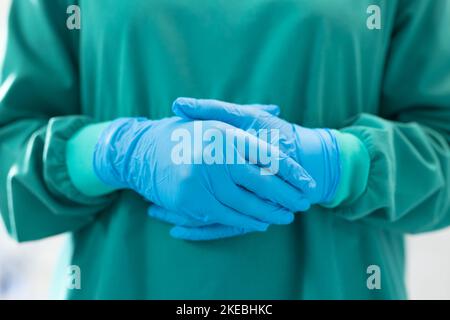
column 26, row 270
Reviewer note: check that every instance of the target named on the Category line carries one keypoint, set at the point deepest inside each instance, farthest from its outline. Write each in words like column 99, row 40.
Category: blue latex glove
column 314, row 149
column 189, row 228
column 136, row 153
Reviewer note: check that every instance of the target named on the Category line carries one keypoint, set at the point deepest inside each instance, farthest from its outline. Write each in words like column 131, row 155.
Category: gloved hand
column 137, row 153
column 314, row 149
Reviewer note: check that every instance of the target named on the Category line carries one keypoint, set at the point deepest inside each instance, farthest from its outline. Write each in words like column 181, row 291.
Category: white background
column 26, row 269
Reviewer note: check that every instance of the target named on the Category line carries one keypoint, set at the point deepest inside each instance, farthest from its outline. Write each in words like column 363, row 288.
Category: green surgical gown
column 317, row 59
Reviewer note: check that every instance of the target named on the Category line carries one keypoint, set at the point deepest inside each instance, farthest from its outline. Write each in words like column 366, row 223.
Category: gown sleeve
column 408, row 188
column 39, row 112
